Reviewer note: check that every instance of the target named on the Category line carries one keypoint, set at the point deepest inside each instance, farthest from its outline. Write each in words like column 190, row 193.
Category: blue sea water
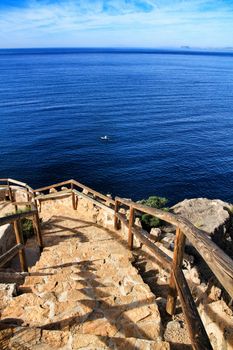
column 169, row 116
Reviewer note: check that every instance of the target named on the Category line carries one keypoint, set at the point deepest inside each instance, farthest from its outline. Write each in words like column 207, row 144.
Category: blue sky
column 116, row 23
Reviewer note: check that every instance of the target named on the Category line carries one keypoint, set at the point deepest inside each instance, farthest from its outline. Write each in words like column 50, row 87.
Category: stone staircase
column 83, row 293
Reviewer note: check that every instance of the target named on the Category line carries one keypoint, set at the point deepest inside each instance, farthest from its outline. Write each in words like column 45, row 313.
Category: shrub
column 26, row 225
column 27, row 228
column 149, row 221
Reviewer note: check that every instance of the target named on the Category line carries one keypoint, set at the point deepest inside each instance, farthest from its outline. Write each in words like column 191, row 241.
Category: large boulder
column 212, row 216
column 7, row 238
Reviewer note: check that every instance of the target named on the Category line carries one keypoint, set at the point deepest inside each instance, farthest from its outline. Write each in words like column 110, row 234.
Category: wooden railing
column 15, row 220
column 10, row 254
column 220, row 264
column 30, row 211
column 76, row 189
column 9, row 183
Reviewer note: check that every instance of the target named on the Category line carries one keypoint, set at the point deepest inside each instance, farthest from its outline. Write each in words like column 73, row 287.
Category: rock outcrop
column 7, row 238
column 212, row 216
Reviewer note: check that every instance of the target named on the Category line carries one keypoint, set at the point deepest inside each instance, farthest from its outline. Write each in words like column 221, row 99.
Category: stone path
column 83, row 293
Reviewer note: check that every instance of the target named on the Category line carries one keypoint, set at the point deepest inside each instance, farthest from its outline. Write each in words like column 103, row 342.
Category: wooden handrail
column 23, row 187
column 52, row 195
column 16, row 182
column 78, row 184
column 164, row 259
column 94, row 201
column 4, row 258
column 72, row 183
column 25, row 204
column 18, row 216
column 198, row 335
column 219, row 262
column 160, row 256
column 95, row 193
column 41, row 189
column 23, row 184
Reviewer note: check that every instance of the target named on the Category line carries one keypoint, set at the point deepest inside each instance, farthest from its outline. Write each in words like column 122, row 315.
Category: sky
column 116, row 23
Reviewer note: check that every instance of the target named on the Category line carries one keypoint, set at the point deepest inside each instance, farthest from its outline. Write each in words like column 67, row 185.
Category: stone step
column 37, row 339
column 112, row 316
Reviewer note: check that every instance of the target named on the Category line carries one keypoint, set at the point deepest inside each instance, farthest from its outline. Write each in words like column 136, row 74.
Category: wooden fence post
column 10, row 193
column 28, row 199
column 11, row 196
column 37, row 229
column 38, row 205
column 35, row 202
column 116, row 221
column 19, row 240
column 176, row 263
column 74, row 200
column 131, row 223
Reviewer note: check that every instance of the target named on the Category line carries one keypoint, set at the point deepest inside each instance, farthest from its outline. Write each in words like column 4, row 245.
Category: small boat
column 105, row 138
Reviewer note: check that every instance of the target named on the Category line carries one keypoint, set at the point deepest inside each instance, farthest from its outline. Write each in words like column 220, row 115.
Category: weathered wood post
column 33, row 199
column 116, row 221
column 11, row 196
column 10, row 193
column 176, row 263
column 74, row 201
column 7, row 193
column 20, row 240
column 37, row 230
column 131, row 223
column 39, row 205
column 28, row 199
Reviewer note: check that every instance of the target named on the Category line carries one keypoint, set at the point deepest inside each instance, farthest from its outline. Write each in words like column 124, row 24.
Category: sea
column 168, row 115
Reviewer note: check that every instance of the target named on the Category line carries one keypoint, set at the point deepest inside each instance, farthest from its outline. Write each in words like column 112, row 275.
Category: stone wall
column 85, row 208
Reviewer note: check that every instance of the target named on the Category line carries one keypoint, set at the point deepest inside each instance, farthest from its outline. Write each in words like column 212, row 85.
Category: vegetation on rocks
column 149, row 221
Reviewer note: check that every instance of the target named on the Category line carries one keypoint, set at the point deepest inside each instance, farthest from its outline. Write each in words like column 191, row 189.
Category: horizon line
column 182, row 47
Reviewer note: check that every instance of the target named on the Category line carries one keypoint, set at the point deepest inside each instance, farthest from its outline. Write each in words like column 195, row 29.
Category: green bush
column 26, row 225
column 27, row 228
column 154, row 202
column 149, row 221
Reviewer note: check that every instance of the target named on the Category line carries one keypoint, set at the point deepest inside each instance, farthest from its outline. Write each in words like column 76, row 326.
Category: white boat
column 106, row 138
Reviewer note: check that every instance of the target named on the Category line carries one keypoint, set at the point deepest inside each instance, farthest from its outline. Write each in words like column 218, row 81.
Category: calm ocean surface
column 169, row 116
